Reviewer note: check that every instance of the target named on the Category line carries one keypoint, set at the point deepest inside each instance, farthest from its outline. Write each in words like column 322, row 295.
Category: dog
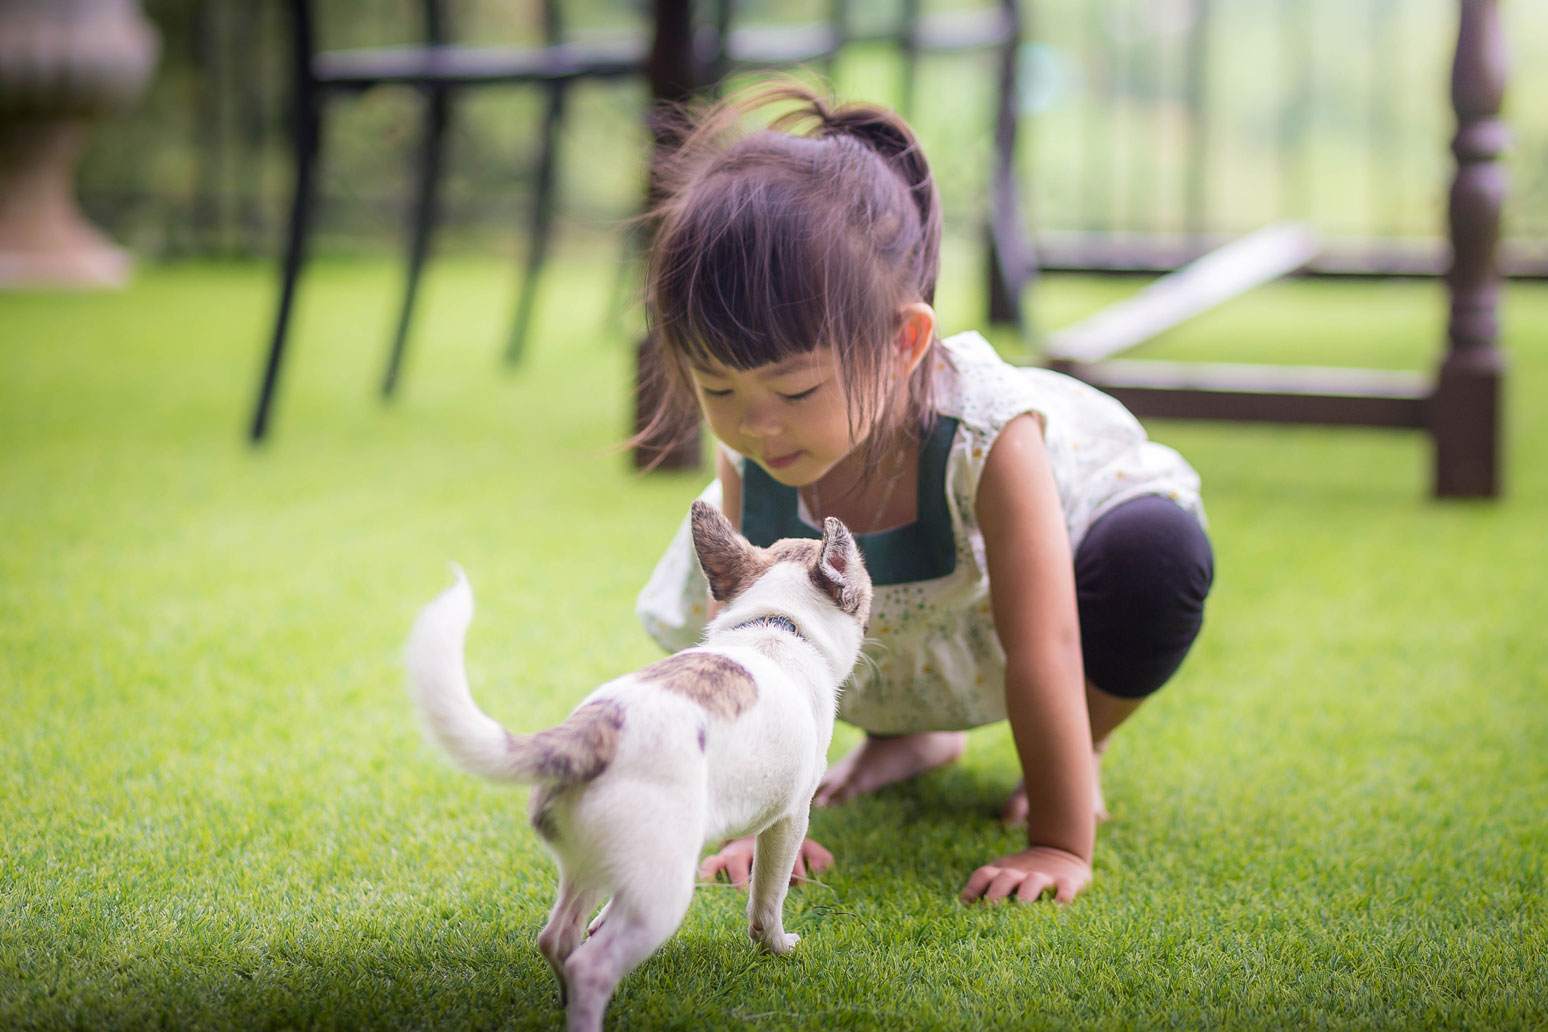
column 723, row 740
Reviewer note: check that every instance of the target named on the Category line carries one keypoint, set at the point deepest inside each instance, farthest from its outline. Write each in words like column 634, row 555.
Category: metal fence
column 1163, row 122
column 1150, row 128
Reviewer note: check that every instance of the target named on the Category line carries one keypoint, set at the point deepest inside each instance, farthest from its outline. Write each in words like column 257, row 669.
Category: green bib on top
column 918, row 551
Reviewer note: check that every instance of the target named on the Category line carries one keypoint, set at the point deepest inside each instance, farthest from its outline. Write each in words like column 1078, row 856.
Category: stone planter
column 64, row 64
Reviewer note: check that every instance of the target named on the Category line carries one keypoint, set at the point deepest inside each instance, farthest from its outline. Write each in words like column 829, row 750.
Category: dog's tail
column 577, row 750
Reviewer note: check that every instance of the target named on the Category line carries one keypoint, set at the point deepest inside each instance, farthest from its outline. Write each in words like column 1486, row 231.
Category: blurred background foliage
column 1138, row 116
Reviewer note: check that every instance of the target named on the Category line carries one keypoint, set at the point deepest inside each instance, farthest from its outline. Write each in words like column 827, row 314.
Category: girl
column 1035, row 558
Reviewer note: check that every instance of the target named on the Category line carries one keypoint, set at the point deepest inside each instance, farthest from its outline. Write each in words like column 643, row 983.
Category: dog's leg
column 774, row 857
column 562, row 934
column 637, row 923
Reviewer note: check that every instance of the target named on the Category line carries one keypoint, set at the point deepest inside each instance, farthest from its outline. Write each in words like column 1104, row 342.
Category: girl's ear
column 916, row 335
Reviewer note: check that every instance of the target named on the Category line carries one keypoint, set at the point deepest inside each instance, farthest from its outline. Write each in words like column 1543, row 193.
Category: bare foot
column 882, row 761
column 1015, row 809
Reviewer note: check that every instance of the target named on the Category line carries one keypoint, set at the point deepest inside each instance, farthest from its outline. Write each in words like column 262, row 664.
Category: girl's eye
column 802, row 394
column 711, row 393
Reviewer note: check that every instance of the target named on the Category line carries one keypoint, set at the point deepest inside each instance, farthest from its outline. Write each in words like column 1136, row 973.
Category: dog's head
column 732, row 564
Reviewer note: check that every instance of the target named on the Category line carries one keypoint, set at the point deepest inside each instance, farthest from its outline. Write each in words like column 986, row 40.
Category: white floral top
column 936, row 662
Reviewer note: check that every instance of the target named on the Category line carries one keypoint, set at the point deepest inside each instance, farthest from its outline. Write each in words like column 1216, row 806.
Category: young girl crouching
column 1035, row 557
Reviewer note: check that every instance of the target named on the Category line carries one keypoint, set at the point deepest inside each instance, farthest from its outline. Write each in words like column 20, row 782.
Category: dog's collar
column 784, row 623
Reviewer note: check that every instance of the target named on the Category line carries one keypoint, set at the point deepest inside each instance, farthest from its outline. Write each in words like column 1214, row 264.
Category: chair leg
column 1010, row 263
column 302, row 202
column 540, row 226
column 1007, row 273
column 630, row 252
column 432, row 148
column 908, row 48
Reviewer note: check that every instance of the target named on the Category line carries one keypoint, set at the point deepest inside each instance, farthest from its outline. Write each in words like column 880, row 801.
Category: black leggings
column 1141, row 576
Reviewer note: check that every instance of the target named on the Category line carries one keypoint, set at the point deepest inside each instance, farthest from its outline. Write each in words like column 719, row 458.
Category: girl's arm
column 1032, row 592
column 730, row 487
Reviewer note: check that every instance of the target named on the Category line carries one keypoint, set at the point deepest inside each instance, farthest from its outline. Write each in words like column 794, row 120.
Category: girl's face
column 789, row 417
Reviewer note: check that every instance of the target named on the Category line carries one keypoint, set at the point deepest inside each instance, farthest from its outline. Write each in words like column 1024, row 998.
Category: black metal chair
column 437, row 68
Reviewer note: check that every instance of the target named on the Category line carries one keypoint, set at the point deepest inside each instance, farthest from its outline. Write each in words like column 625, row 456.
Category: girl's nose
column 760, row 420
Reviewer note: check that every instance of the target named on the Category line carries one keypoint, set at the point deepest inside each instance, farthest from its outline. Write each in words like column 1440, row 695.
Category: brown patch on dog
column 730, row 573
column 572, row 752
column 801, row 551
column 581, row 747
column 540, row 811
column 721, row 685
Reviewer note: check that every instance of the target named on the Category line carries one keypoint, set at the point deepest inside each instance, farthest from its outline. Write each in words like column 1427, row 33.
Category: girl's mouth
column 781, row 461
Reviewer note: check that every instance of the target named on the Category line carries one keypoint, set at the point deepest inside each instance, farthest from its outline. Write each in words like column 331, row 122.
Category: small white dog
column 723, row 740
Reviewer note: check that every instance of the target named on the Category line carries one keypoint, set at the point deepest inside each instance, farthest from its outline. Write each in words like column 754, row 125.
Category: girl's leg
column 887, row 759
column 1107, row 712
column 1141, row 577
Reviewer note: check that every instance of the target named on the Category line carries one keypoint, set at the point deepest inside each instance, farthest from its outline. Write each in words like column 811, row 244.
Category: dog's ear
column 840, row 572
column 728, row 561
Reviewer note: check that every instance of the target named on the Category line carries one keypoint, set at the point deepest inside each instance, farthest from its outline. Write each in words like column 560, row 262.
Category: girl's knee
column 1142, row 575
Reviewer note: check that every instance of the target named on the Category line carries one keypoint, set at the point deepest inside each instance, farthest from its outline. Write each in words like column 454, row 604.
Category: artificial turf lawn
column 216, row 810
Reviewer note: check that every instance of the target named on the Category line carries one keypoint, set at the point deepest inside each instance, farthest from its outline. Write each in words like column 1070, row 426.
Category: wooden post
column 1465, row 412
column 1008, row 265
column 1197, row 91
column 674, row 75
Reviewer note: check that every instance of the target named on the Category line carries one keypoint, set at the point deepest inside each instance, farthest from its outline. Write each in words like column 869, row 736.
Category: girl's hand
column 735, row 859
column 1028, row 874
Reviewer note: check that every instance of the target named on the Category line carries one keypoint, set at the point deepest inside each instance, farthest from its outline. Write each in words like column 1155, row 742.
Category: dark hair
column 772, row 243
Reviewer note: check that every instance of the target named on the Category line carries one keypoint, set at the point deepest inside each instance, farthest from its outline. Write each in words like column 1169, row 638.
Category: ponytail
column 885, row 134
column 892, row 140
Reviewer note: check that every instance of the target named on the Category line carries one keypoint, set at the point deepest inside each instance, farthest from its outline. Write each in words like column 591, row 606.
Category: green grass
column 216, row 810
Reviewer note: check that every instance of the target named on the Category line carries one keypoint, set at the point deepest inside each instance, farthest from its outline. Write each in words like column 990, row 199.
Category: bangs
column 752, row 272
column 740, row 291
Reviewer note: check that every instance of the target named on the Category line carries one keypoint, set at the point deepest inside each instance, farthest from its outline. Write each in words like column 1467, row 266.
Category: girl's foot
column 879, row 761
column 1015, row 809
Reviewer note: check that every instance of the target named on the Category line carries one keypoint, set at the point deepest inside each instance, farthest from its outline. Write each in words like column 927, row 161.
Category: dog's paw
column 780, row 943
column 784, row 943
